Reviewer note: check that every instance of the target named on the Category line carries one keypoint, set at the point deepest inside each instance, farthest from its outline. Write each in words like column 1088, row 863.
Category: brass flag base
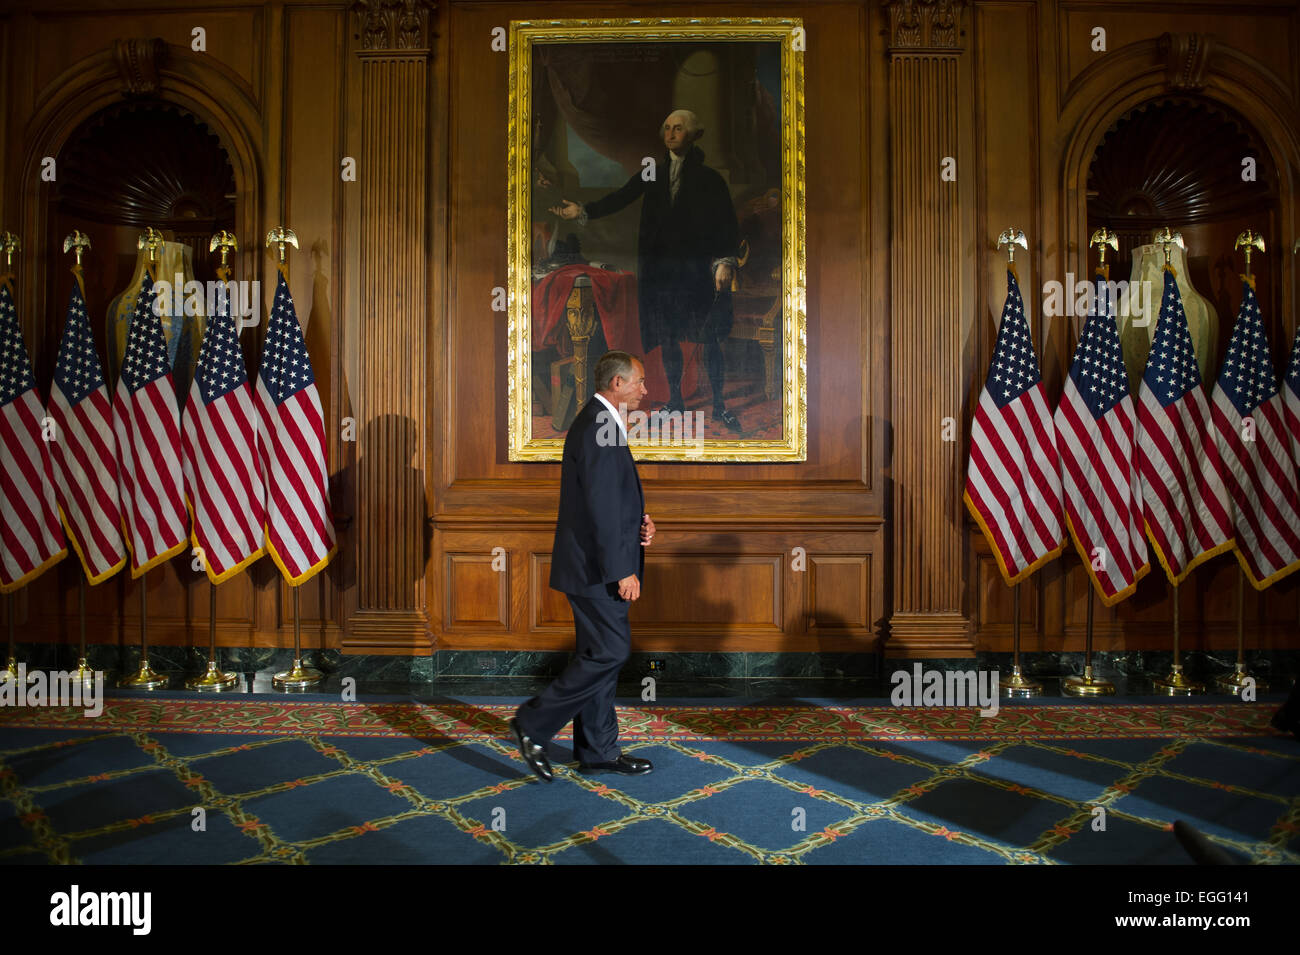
column 83, row 674
column 1177, row 684
column 145, row 678
column 1234, row 682
column 10, row 672
column 1087, row 686
column 297, row 677
column 1018, row 685
column 214, row 679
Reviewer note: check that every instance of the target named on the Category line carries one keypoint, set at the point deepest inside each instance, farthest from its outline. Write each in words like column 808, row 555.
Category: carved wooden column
column 926, row 269
column 389, row 399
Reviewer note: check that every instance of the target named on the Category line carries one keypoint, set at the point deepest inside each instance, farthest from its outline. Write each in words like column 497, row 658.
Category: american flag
column 223, row 477
column 1185, row 505
column 1260, row 474
column 31, row 540
column 1291, row 396
column 147, row 424
column 291, row 439
column 1013, row 483
column 84, row 453
column 1094, row 434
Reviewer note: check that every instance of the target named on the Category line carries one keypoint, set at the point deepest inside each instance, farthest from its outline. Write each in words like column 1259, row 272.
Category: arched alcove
column 142, row 162
column 1237, row 92
column 167, row 78
column 1202, row 169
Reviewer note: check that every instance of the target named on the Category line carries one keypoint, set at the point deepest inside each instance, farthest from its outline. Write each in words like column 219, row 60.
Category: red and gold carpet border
column 742, row 723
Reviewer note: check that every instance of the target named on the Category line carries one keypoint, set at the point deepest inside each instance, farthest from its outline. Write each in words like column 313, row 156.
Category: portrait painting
column 656, row 207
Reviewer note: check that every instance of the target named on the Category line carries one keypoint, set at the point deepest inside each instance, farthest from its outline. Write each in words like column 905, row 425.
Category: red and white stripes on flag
column 1260, row 474
column 84, row 451
column 1185, row 506
column 1095, row 424
column 1291, row 398
column 291, row 439
column 147, row 425
column 223, row 475
column 1013, row 483
column 31, row 540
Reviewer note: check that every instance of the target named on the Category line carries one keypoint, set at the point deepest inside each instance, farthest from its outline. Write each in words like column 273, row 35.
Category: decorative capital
column 394, row 24
column 137, row 64
column 923, row 25
column 1187, row 59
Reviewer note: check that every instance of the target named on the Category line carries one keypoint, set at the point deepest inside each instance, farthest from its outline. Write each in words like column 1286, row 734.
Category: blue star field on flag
column 221, row 360
column 1014, row 369
column 1292, row 376
column 1247, row 377
column 146, row 350
column 15, row 367
column 1171, row 369
column 1098, row 368
column 77, row 371
column 286, row 368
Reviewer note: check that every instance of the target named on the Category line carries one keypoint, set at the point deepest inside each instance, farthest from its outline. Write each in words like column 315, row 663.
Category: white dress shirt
column 614, row 411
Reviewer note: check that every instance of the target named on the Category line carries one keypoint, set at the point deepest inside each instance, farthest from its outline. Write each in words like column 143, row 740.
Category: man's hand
column 629, row 588
column 567, row 209
column 722, row 277
column 647, row 530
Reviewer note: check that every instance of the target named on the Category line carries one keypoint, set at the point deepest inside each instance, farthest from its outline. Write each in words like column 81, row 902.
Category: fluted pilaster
column 389, row 399
column 925, row 323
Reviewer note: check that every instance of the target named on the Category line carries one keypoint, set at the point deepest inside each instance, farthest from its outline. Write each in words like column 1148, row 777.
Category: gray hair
column 612, row 364
column 693, row 127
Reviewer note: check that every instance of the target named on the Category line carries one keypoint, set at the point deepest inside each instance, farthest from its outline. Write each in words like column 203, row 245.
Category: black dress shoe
column 534, row 755
column 730, row 420
column 627, row 765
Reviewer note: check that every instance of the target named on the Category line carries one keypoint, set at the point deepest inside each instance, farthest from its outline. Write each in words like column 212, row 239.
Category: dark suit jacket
column 677, row 242
column 598, row 532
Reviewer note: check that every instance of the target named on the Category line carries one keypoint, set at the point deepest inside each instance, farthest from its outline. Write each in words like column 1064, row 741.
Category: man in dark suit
column 597, row 561
column 686, row 256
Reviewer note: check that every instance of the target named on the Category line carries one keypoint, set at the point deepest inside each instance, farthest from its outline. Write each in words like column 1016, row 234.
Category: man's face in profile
column 629, row 391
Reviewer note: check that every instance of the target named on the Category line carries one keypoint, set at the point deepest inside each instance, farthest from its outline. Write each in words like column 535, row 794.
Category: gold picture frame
column 764, row 416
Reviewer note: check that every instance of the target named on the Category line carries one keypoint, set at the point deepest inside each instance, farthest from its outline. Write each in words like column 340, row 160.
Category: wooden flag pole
column 1015, row 685
column 296, row 677
column 1177, row 683
column 214, row 678
column 10, row 672
column 77, row 243
column 1088, row 685
column 83, row 673
column 146, row 678
column 1240, row 677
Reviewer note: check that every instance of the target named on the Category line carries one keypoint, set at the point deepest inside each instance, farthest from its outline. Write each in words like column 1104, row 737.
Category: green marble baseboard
column 1279, row 668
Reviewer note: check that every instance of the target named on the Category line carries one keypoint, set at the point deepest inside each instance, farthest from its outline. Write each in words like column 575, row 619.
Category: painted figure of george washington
column 686, row 256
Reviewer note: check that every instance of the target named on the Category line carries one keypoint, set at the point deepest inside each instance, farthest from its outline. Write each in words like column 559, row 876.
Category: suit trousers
column 584, row 692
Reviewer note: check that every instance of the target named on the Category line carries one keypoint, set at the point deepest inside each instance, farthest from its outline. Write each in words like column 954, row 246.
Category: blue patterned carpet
column 133, row 795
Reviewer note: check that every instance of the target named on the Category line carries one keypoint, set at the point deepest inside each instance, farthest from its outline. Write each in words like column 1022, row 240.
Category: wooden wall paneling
column 392, row 175
column 926, row 295
column 308, row 199
column 705, row 588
